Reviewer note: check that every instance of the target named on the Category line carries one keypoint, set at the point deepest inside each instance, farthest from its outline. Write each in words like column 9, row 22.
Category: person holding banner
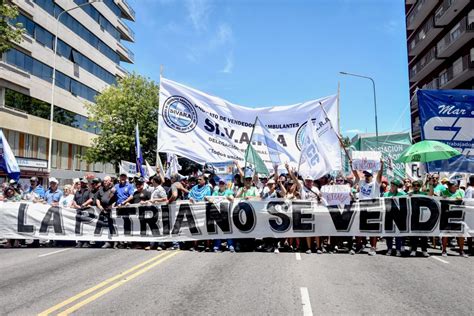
column 104, row 201
column 223, row 192
column 308, row 191
column 53, row 195
column 419, row 241
column 394, row 191
column 453, row 192
column 200, row 190
column 123, row 189
column 248, row 191
column 369, row 189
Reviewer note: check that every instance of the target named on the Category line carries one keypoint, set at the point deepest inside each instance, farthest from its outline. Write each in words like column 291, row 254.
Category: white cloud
column 391, row 26
column 198, row 13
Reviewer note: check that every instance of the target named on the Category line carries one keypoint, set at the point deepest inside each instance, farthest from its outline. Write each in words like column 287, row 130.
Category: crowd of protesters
column 111, row 192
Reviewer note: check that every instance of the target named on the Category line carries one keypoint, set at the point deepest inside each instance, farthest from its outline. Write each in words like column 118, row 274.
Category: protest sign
column 391, row 145
column 336, row 194
column 447, row 116
column 276, row 218
column 208, row 129
column 366, row 160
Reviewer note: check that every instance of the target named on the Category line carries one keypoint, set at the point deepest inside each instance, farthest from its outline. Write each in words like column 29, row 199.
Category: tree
column 9, row 33
column 134, row 99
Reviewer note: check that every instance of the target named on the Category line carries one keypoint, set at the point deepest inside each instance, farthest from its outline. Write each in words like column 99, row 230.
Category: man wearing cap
column 395, row 184
column 453, row 193
column 53, row 195
column 222, row 191
column 140, row 196
column 416, row 241
column 123, row 189
column 248, row 191
column 177, row 189
column 82, row 197
column 35, row 192
column 369, row 189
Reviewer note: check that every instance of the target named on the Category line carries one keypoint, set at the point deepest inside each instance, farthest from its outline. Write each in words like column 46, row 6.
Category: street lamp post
column 375, row 101
column 53, row 83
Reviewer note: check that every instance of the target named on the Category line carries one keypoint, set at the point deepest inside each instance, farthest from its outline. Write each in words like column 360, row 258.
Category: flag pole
column 158, row 122
column 250, row 141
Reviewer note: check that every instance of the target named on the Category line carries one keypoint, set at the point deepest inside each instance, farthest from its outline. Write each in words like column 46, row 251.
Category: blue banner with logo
column 448, row 116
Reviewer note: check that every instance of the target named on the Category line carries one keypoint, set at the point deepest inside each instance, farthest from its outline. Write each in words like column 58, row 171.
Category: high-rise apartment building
column 89, row 52
column 440, row 40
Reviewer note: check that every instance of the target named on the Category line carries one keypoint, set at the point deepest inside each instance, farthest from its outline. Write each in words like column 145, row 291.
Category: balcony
column 121, row 72
column 419, row 12
column 423, row 37
column 448, row 10
column 459, row 35
column 126, row 32
column 425, row 65
column 127, row 11
column 125, row 53
column 461, row 71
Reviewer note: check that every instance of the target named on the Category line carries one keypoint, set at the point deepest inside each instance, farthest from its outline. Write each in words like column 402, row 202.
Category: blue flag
column 138, row 153
column 7, row 159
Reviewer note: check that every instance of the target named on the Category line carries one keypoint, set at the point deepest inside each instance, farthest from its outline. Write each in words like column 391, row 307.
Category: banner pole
column 339, row 115
column 250, row 141
column 158, row 121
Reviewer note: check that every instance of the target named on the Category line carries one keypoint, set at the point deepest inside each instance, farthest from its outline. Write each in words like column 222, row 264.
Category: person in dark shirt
column 140, row 196
column 105, row 199
column 82, row 196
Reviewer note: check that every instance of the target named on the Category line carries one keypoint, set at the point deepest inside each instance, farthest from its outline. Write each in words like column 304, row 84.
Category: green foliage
column 134, row 99
column 9, row 33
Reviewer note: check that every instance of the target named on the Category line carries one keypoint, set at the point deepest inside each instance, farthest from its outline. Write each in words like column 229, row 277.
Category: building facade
column 89, row 55
column 440, row 42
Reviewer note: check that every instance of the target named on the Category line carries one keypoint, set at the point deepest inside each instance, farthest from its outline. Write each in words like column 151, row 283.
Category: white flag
column 313, row 161
column 173, row 165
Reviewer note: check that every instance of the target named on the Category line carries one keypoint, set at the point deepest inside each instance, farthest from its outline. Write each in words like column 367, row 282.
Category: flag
column 7, row 159
column 313, row 160
column 160, row 165
column 138, row 153
column 274, row 148
column 252, row 157
column 149, row 170
column 173, row 165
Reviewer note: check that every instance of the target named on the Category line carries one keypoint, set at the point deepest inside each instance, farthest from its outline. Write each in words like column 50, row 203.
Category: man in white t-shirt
column 369, row 189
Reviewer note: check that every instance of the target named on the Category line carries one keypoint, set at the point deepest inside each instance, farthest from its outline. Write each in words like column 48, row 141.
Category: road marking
column 439, row 259
column 54, row 252
column 298, row 256
column 114, row 286
column 98, row 286
column 307, row 311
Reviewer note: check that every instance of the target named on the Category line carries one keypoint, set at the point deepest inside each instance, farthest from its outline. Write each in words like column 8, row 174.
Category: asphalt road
column 137, row 282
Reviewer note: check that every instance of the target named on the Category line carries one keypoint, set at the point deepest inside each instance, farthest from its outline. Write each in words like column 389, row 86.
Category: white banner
column 205, row 128
column 404, row 216
column 336, row 194
column 366, row 160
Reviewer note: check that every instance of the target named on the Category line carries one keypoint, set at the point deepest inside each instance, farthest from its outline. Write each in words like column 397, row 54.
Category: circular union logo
column 179, row 114
column 299, row 137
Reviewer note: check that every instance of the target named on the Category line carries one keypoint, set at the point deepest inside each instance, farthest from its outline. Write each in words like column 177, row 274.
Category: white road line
column 307, row 311
column 298, row 256
column 439, row 259
column 54, row 252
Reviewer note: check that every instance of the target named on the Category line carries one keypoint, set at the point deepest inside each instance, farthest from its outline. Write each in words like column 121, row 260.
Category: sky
column 275, row 52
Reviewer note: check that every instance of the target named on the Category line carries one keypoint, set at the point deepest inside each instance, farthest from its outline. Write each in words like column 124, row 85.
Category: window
column 44, row 37
column 457, row 66
column 455, row 32
column 443, row 77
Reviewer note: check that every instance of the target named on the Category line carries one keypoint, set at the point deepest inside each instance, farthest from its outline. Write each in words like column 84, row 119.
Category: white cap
column 12, row 181
column 76, row 180
column 309, row 178
column 53, row 179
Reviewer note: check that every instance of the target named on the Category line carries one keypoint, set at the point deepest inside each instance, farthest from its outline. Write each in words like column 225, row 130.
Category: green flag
column 252, row 157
